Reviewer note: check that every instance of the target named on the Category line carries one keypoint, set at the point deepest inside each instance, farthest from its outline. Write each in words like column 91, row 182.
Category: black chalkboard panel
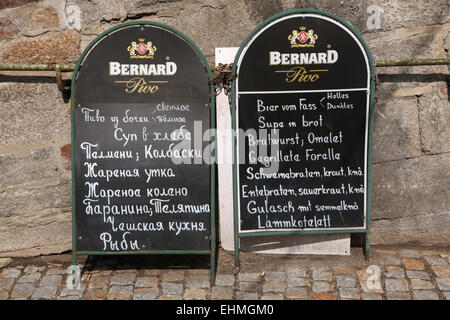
column 302, row 104
column 141, row 94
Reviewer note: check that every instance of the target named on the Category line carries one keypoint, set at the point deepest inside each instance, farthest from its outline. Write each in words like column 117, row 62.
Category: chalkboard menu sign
column 302, row 104
column 141, row 182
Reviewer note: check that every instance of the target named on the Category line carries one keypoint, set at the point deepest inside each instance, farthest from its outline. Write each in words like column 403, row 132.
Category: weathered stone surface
column 145, row 294
column 36, row 105
column 274, row 287
column 411, row 200
column 413, row 264
column 11, row 273
column 246, row 295
column 173, row 276
column 371, row 296
column 320, row 286
column 435, row 260
column 443, row 283
column 8, row 29
column 249, row 276
column 425, row 295
column 434, row 115
column 396, row 285
column 297, row 282
column 194, row 294
column 4, row 295
column 67, row 292
column 401, row 44
column 120, row 292
column 6, row 284
column 147, row 282
column 324, row 296
column 322, row 275
column 275, row 276
column 222, row 293
column 98, row 283
column 225, row 280
column 172, row 288
column 418, row 284
column 29, row 278
column 45, row 293
column 398, row 296
column 441, row 271
column 396, row 132
column 348, row 281
column 394, row 272
column 417, row 275
column 296, row 293
column 38, row 18
column 39, row 164
column 251, row 286
column 123, row 279
column 23, row 290
column 62, row 48
column 349, row 293
column 272, row 297
column 50, row 281
column 198, row 282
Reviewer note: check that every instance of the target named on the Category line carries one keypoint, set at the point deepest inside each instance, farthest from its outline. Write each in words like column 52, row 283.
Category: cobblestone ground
column 390, row 273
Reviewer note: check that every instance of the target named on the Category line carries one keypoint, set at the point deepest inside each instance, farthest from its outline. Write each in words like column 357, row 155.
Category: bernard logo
column 141, row 50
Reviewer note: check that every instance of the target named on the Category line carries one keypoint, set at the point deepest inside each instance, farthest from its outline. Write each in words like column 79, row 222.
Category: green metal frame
column 237, row 234
column 212, row 250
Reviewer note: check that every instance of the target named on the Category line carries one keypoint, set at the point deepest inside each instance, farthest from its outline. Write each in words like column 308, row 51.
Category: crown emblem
column 301, row 38
column 142, row 49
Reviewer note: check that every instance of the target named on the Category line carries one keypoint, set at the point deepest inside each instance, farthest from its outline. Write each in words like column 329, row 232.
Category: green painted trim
column 212, row 126
column 370, row 133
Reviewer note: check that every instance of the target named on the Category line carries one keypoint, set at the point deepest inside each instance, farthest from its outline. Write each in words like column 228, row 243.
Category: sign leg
column 367, row 245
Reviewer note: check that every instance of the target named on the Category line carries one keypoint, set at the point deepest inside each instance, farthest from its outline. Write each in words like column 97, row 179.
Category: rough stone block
column 275, row 276
column 345, row 281
column 434, row 114
column 396, row 132
column 296, row 293
column 23, row 290
column 147, row 282
column 198, row 282
column 425, row 295
column 320, row 286
column 61, row 48
column 145, row 294
column 250, row 286
column 194, row 294
column 274, row 287
column 441, row 271
column 222, row 293
column 396, row 285
column 120, row 292
column 172, row 288
column 123, row 279
column 225, row 280
column 44, row 293
column 246, row 295
column 394, row 272
column 443, row 283
column 417, row 275
column 36, row 104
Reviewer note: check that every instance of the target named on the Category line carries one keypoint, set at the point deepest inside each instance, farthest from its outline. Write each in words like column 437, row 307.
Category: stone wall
column 411, row 176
